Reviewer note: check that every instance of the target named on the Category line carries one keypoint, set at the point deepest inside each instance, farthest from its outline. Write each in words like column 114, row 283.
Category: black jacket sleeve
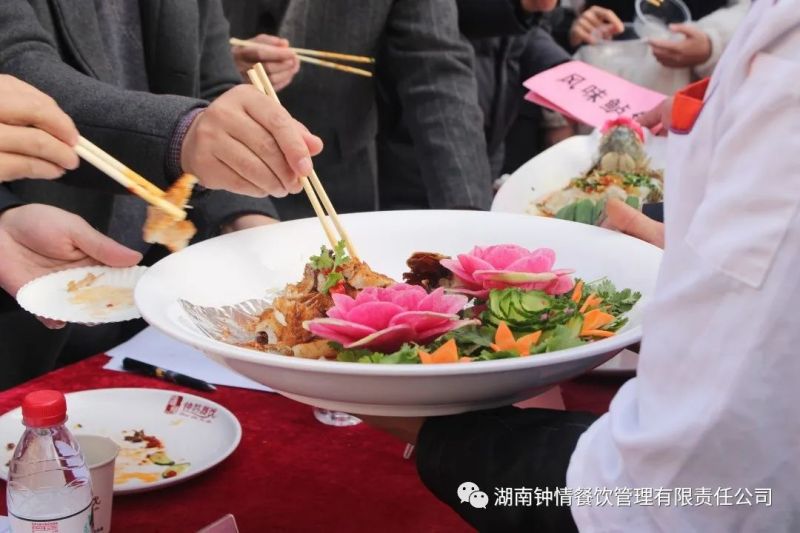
column 499, row 449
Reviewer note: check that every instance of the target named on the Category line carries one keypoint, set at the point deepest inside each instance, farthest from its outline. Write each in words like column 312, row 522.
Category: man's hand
column 595, row 20
column 36, row 137
column 622, row 217
column 694, row 50
column 247, row 143
column 280, row 61
column 658, row 119
column 538, row 6
column 38, row 239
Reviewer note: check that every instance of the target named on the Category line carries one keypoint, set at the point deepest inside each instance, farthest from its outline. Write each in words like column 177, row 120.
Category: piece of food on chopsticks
column 331, row 273
column 622, row 171
column 492, row 303
column 162, row 227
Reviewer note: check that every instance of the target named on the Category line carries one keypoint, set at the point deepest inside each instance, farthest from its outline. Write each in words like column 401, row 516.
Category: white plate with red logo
column 194, row 433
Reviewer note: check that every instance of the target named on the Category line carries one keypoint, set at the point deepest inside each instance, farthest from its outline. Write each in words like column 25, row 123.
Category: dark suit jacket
column 56, row 45
column 420, row 55
column 499, row 32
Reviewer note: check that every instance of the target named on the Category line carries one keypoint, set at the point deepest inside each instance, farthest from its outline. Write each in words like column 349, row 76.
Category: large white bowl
column 241, row 266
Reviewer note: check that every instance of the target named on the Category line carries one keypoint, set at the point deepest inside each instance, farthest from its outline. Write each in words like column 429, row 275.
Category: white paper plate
column 197, row 431
column 240, row 266
column 48, row 297
column 552, row 170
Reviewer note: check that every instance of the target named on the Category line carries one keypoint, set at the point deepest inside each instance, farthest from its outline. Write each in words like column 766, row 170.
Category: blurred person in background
column 424, row 71
column 663, row 65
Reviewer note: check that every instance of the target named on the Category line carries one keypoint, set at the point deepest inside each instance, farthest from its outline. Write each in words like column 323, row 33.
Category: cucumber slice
column 160, row 458
column 534, row 302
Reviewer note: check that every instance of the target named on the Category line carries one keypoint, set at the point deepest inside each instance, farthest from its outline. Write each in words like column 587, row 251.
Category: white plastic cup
column 100, row 454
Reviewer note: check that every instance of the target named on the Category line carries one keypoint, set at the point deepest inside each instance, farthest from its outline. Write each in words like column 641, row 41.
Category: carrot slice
column 446, row 353
column 503, row 338
column 524, row 344
column 577, row 293
column 597, row 333
column 596, row 319
column 592, row 301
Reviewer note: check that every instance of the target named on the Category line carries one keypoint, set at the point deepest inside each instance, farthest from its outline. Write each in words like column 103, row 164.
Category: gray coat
column 421, row 54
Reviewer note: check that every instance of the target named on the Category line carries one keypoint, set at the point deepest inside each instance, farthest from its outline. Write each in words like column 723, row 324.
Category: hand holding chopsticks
column 312, row 185
column 313, row 56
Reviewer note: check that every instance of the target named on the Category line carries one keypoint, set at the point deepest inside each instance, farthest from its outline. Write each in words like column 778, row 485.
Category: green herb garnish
column 328, row 262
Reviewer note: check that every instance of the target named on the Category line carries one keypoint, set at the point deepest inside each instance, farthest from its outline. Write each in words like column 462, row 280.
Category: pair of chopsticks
column 311, row 184
column 311, row 56
column 126, row 177
column 656, row 3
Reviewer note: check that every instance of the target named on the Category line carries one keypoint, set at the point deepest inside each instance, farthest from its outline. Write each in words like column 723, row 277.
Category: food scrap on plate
column 144, row 458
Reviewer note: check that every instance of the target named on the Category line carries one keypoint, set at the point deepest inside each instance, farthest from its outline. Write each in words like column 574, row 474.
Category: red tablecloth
column 290, row 473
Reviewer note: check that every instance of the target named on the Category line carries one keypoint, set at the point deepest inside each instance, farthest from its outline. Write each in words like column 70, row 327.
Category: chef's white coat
column 716, row 403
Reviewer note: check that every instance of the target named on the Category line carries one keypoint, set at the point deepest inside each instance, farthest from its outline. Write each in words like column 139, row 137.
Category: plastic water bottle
column 49, row 488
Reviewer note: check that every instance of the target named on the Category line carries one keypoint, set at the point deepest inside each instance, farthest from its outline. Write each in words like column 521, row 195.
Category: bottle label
column 80, row 522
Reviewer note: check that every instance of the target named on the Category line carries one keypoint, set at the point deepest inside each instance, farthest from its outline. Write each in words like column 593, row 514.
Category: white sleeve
column 719, row 26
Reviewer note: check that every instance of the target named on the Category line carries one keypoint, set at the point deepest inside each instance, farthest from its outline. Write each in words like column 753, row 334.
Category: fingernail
column 305, row 167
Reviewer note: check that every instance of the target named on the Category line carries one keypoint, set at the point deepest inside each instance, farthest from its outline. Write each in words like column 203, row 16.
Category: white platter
column 113, row 412
column 552, row 170
column 241, row 266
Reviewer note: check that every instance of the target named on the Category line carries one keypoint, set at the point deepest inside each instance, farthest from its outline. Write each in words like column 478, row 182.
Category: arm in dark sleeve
column 430, row 65
column 218, row 71
column 492, row 18
column 502, row 448
column 559, row 22
column 135, row 126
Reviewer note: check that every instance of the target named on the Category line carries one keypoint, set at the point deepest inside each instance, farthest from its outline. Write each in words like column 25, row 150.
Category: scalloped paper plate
column 108, row 299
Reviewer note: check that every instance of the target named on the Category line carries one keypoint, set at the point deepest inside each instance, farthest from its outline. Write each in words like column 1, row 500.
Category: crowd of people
column 158, row 85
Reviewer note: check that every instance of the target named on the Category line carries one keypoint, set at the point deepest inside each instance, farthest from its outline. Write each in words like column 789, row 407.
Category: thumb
column 650, row 119
column 101, row 248
column 313, row 142
column 624, row 218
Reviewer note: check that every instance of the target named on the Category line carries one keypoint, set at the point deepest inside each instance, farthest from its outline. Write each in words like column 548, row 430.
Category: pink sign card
column 588, row 94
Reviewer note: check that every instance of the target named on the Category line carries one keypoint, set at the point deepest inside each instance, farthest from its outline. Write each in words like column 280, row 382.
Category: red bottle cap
column 44, row 408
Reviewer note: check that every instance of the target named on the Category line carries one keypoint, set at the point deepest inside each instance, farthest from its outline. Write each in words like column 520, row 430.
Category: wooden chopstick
column 265, row 86
column 308, row 52
column 89, row 145
column 335, row 66
column 333, row 55
column 112, row 168
column 303, row 53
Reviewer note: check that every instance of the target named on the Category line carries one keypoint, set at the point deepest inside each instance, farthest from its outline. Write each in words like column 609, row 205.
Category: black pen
column 132, row 365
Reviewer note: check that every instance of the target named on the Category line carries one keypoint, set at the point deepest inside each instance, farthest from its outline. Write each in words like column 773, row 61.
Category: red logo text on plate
column 44, row 527
column 199, row 411
column 174, row 404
